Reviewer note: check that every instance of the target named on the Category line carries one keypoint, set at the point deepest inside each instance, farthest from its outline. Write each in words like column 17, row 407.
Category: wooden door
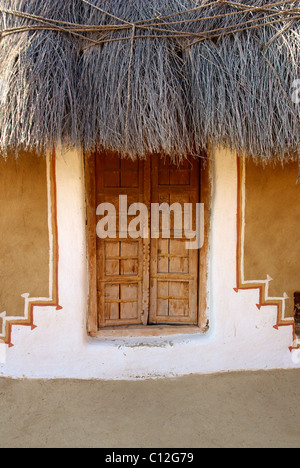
column 141, row 281
column 174, row 268
column 121, row 275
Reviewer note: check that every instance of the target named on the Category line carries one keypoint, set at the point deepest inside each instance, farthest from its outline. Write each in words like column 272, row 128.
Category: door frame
column 92, row 318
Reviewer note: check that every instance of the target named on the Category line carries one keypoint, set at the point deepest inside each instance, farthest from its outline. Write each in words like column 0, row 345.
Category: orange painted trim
column 29, row 322
column 260, row 286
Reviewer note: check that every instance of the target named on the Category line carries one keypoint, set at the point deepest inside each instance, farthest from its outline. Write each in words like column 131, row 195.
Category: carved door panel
column 121, row 261
column 174, row 268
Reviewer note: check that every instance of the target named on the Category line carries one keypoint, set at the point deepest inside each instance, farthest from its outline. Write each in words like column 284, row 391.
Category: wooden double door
column 146, row 279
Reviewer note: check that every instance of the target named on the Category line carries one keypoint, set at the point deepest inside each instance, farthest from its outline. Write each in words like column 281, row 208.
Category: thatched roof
column 140, row 76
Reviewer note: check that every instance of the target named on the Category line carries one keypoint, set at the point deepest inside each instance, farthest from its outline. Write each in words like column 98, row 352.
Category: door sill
column 149, row 330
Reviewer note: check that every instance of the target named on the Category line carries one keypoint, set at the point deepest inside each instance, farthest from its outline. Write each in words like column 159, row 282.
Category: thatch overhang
column 140, row 76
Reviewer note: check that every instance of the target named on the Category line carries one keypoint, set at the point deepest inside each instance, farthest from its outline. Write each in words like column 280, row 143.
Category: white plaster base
column 240, row 336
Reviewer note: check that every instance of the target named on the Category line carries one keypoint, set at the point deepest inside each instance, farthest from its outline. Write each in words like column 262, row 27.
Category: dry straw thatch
column 140, row 76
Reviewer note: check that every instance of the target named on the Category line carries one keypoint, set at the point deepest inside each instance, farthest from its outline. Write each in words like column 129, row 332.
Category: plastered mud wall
column 243, row 334
column 26, row 246
column 272, row 240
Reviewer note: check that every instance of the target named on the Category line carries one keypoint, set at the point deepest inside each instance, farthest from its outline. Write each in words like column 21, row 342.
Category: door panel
column 174, row 269
column 120, row 275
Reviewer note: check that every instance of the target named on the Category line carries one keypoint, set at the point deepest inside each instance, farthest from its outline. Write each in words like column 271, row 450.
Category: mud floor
column 248, row 409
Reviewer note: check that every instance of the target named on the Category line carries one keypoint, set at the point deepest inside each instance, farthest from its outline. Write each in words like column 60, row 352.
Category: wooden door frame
column 92, row 319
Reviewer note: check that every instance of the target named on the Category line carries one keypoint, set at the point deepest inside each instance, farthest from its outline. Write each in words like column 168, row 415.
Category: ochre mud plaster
column 268, row 234
column 27, row 270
